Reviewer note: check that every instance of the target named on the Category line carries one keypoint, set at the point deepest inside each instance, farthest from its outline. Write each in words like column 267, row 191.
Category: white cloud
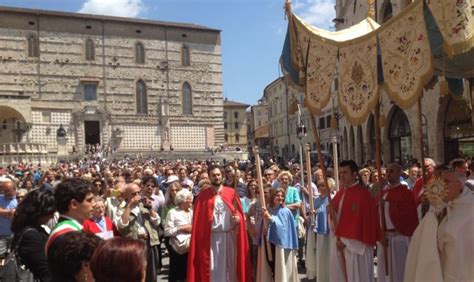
column 319, row 13
column 120, row 8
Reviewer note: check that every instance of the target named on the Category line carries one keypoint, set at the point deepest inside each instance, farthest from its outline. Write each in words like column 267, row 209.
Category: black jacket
column 32, row 252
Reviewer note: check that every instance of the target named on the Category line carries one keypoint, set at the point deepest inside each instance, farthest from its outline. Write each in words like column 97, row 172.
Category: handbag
column 181, row 247
column 13, row 270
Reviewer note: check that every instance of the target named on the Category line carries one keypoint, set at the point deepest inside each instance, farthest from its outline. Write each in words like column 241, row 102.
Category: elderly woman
column 178, row 228
column 292, row 195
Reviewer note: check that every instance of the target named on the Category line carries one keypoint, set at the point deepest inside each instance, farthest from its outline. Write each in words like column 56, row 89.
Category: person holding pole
column 398, row 220
column 357, row 230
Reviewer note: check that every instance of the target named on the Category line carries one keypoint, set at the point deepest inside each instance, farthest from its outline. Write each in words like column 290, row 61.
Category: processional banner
column 455, row 22
column 319, row 59
column 407, row 61
column 358, row 86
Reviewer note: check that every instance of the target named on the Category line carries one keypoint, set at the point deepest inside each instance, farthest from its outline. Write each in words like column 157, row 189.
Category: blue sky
column 252, row 30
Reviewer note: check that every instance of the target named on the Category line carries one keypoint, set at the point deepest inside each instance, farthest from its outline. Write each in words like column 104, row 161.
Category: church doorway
column 92, row 132
column 458, row 130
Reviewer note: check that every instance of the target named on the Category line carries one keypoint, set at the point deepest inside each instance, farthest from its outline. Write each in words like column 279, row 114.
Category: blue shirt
column 5, row 223
column 292, row 196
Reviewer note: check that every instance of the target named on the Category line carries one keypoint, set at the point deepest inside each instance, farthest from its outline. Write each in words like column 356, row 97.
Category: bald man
column 398, row 218
column 8, row 205
column 448, row 255
column 137, row 220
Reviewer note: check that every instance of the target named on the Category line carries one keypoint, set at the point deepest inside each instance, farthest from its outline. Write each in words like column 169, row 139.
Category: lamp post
column 301, row 132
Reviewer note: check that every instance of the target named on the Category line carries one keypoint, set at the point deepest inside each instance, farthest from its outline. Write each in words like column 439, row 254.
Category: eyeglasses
column 268, row 174
column 296, row 169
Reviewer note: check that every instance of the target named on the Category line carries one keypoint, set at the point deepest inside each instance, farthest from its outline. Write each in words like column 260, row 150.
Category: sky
column 253, row 31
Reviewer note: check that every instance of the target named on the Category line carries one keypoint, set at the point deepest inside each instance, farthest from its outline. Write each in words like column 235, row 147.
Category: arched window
column 186, row 56
column 142, row 99
column 33, row 46
column 187, row 99
column 352, row 146
column 139, row 53
column 237, row 137
column 90, row 50
column 399, row 135
column 226, row 137
column 361, row 146
column 371, row 136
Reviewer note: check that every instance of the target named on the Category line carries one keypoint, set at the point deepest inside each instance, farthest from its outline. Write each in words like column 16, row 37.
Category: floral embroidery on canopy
column 407, row 61
column 358, row 86
column 454, row 20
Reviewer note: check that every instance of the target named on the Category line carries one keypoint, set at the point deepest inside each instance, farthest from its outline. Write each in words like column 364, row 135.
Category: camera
column 146, row 203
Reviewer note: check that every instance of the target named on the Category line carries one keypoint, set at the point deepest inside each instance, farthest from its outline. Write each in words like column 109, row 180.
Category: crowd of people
column 98, row 220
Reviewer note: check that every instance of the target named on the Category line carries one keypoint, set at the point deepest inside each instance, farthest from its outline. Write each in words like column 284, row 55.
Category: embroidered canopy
column 434, row 37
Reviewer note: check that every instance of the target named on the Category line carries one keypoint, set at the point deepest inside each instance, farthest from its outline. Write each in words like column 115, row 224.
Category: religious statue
column 61, row 132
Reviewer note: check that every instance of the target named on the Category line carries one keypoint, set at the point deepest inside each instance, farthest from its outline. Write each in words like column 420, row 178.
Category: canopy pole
column 261, row 195
column 378, row 164
column 331, row 209
column 424, row 204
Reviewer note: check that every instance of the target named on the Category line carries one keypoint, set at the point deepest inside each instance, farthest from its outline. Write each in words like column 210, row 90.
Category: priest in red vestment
column 398, row 220
column 357, row 230
column 219, row 247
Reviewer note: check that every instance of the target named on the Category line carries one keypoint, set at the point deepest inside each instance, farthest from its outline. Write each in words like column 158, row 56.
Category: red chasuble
column 359, row 217
column 402, row 208
column 199, row 258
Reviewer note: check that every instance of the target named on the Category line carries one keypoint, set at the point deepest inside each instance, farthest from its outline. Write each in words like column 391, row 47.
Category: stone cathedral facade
column 131, row 84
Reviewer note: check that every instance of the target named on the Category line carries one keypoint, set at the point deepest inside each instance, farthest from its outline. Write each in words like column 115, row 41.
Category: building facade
column 131, row 84
column 259, row 127
column 235, row 124
column 447, row 123
column 283, row 124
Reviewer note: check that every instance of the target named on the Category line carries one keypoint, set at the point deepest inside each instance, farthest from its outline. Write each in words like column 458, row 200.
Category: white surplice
column 223, row 253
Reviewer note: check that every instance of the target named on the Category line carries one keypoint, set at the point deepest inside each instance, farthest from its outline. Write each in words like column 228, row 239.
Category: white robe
column 223, row 251
column 444, row 252
column 264, row 272
column 311, row 254
column 322, row 257
column 286, row 268
column 456, row 239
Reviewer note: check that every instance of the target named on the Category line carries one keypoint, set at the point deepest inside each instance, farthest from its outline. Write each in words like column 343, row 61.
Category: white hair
column 181, row 196
column 431, row 162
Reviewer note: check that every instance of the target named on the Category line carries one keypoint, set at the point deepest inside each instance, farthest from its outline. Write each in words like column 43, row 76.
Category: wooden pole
column 259, row 178
column 378, row 164
column 308, row 181
column 424, row 204
column 332, row 212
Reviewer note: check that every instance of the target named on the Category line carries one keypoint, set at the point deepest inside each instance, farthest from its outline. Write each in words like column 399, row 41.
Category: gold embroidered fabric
column 407, row 61
column 319, row 75
column 455, row 21
column 358, row 85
